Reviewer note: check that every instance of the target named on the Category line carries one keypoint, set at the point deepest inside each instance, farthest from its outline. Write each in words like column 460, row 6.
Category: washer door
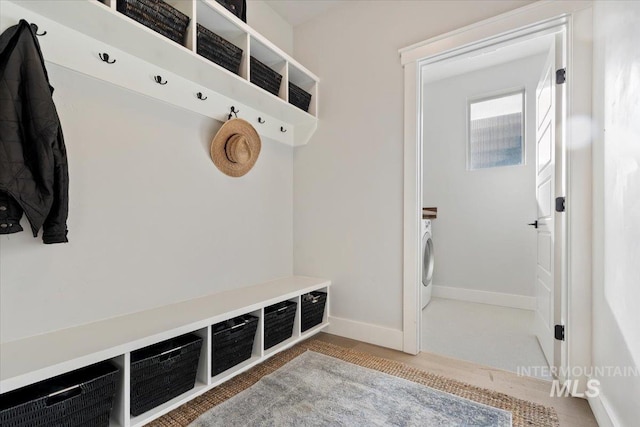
column 427, row 259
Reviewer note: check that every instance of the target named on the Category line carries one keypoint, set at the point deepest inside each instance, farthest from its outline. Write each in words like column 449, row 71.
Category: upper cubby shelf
column 79, row 31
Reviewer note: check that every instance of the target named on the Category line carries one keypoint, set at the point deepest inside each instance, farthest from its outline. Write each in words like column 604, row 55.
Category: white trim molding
column 412, row 213
column 601, row 411
column 534, row 18
column 484, row 297
column 366, row 332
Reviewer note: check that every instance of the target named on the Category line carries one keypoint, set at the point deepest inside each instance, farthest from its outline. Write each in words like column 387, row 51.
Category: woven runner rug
column 522, row 413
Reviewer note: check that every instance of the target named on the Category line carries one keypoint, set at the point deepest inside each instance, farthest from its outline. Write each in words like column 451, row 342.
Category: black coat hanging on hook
column 33, row 172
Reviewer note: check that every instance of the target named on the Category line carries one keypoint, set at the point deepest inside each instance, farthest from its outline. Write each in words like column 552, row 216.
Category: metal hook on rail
column 233, row 112
column 35, row 30
column 105, row 58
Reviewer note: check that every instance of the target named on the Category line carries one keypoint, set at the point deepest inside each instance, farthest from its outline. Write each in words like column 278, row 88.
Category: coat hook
column 105, row 58
column 35, row 30
column 261, row 120
column 158, row 80
column 282, row 129
column 233, row 112
column 201, row 97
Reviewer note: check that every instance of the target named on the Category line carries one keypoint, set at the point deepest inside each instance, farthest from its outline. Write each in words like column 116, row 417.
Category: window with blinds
column 496, row 131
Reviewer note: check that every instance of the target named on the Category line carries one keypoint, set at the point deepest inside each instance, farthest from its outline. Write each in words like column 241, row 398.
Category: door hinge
column 559, row 332
column 561, row 204
column 561, row 76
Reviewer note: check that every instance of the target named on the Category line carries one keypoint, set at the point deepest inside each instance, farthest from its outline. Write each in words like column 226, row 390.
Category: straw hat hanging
column 236, row 147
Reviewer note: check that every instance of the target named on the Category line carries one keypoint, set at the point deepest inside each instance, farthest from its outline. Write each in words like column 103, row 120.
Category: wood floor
column 571, row 411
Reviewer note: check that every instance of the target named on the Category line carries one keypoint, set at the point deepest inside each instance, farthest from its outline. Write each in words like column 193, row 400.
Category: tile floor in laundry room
column 489, row 335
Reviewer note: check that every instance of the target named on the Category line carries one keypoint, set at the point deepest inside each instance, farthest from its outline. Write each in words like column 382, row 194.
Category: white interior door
column 545, row 192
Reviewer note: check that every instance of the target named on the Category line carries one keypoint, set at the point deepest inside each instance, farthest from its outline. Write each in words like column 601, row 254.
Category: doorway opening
column 492, row 165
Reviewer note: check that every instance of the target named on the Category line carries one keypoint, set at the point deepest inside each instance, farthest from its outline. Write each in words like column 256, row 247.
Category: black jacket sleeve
column 55, row 225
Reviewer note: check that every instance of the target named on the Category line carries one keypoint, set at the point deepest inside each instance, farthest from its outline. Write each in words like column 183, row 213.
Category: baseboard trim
column 366, row 332
column 599, row 407
column 485, row 297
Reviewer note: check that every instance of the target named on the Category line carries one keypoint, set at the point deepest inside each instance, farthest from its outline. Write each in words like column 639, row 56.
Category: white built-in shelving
column 37, row 358
column 78, row 31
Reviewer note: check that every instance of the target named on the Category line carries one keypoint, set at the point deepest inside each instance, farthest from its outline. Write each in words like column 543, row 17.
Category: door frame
column 574, row 289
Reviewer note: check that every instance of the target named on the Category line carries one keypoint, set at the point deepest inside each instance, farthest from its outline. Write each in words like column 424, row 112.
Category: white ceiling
column 297, row 12
column 486, row 58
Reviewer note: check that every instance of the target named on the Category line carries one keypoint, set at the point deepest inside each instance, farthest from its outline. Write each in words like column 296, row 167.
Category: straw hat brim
column 219, row 155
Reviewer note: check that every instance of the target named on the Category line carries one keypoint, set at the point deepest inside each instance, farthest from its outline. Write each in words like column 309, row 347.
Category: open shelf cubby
column 295, row 335
column 273, row 60
column 306, row 83
column 256, row 354
column 214, row 21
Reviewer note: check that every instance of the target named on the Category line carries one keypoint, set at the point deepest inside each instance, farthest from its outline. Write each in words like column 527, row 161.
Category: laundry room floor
column 489, row 335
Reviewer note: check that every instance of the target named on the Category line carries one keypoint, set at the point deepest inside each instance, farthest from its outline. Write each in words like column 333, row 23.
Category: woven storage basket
column 278, row 323
column 216, row 49
column 163, row 371
column 299, row 97
column 237, row 7
column 265, row 77
column 232, row 342
column 312, row 309
column 157, row 15
column 79, row 398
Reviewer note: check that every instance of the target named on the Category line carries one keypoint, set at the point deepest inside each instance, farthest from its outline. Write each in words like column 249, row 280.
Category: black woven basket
column 265, row 77
column 278, row 323
column 299, row 97
column 232, row 342
column 216, row 49
column 237, row 7
column 163, row 371
column 312, row 310
column 79, row 398
column 157, row 15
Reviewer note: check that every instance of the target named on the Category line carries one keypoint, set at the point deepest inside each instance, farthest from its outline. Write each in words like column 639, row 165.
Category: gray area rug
column 318, row 390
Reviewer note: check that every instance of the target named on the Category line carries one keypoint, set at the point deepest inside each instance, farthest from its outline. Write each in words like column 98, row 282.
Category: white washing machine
column 427, row 262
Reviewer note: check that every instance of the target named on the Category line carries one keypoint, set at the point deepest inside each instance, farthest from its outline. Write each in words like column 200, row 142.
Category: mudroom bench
column 30, row 360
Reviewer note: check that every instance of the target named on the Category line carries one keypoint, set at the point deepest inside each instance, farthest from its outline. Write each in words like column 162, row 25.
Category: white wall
column 270, row 24
column 481, row 237
column 152, row 221
column 348, row 179
column 616, row 293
